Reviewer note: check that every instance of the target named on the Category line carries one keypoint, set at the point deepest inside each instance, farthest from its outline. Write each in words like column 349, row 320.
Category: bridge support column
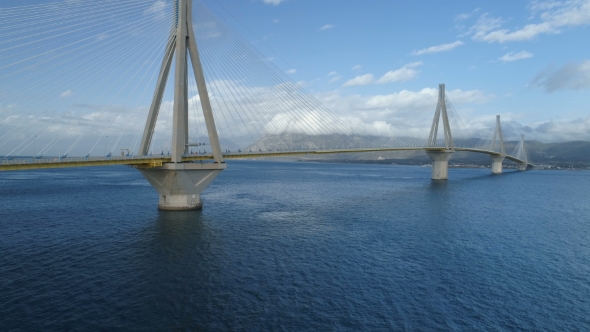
column 440, row 164
column 497, row 161
column 522, row 166
column 180, row 184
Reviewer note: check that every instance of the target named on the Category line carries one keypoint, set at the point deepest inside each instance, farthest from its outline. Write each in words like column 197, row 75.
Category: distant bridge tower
column 523, row 155
column 180, row 184
column 440, row 156
column 498, row 159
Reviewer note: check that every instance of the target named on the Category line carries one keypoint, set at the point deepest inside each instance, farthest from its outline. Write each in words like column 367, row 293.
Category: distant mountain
column 575, row 151
column 290, row 142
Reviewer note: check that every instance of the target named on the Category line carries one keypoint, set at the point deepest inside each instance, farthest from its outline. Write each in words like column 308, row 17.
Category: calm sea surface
column 297, row 247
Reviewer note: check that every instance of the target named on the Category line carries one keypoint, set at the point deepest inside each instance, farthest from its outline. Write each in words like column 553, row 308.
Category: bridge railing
column 24, row 161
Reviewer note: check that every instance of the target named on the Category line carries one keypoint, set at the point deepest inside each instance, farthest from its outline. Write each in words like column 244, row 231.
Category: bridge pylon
column 440, row 155
column 525, row 157
column 498, row 159
column 180, row 183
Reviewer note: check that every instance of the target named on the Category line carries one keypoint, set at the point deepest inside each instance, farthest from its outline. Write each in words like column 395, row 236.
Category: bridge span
column 158, row 160
column 252, row 99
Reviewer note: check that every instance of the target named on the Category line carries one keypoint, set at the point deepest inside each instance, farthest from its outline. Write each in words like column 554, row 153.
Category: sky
column 527, row 61
column 375, row 65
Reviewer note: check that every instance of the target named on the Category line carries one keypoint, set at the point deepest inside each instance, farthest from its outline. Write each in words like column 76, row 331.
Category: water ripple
column 297, row 246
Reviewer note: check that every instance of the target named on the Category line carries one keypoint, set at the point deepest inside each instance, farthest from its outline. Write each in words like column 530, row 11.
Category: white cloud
column 414, row 64
column 66, row 94
column 439, row 48
column 560, row 130
column 554, row 16
column 360, row 80
column 462, row 17
column 291, row 71
column 409, row 113
column 273, row 2
column 403, row 74
column 275, row 21
column 335, row 79
column 356, row 68
column 424, row 98
column 465, row 16
column 516, row 56
column 407, row 72
column 572, row 76
column 484, row 24
column 403, row 113
column 327, row 27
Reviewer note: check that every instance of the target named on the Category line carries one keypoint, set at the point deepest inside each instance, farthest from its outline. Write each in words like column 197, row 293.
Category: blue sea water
column 297, row 247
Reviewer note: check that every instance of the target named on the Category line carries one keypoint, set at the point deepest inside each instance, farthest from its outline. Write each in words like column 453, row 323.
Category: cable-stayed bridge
column 171, row 89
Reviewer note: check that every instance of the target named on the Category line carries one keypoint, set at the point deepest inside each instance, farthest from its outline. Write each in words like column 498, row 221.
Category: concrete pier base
column 180, row 184
column 522, row 167
column 440, row 164
column 497, row 161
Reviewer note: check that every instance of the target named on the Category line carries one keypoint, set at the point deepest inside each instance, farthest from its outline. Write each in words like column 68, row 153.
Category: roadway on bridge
column 158, row 160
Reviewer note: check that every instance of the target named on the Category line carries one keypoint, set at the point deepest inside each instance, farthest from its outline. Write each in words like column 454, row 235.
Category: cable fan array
column 77, row 79
column 76, row 75
column 257, row 107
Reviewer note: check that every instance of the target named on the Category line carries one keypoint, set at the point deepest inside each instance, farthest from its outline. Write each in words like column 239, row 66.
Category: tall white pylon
column 180, row 183
column 440, row 156
column 182, row 43
column 498, row 159
column 521, row 154
column 441, row 110
column 498, row 137
column 526, row 156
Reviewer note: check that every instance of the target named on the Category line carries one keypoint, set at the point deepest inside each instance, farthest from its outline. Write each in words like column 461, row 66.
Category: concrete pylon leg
column 497, row 161
column 180, row 185
column 522, row 166
column 440, row 164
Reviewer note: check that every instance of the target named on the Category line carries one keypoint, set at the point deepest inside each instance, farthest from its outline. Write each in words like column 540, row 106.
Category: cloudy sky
column 526, row 60
column 92, row 66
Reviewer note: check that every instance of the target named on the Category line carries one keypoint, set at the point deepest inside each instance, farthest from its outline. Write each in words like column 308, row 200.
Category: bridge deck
column 157, row 160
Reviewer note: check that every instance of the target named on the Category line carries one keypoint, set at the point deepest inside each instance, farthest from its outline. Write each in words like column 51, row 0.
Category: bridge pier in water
column 180, row 185
column 497, row 161
column 440, row 164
